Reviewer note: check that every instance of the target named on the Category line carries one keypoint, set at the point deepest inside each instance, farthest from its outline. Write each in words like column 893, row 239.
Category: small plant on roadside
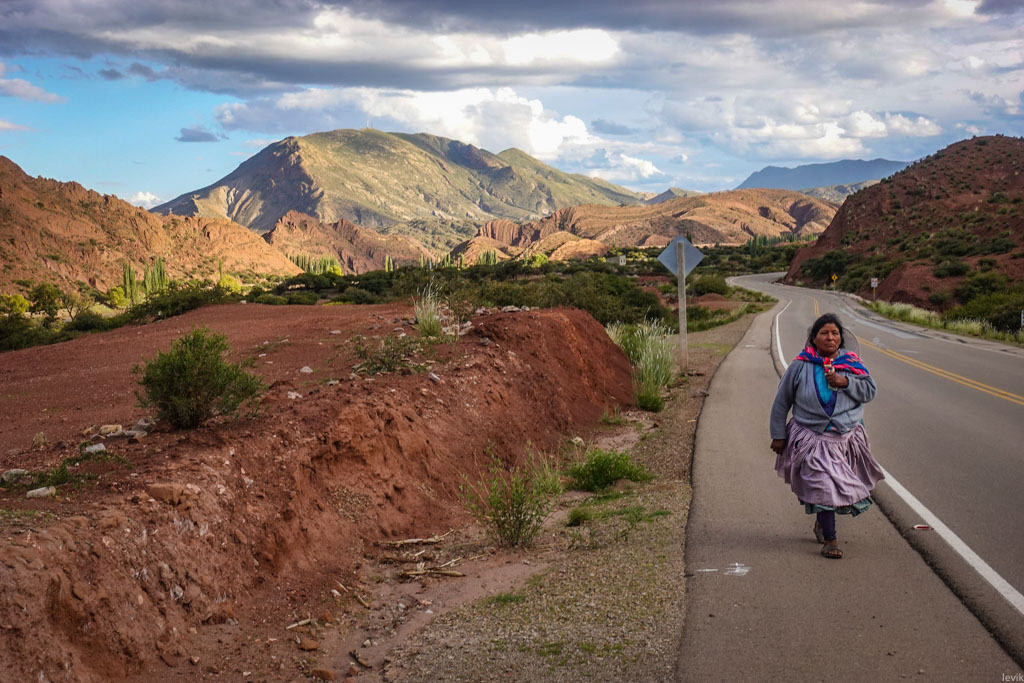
column 428, row 311
column 513, row 502
column 503, row 599
column 603, row 468
column 393, row 353
column 613, row 419
column 651, row 353
column 192, row 382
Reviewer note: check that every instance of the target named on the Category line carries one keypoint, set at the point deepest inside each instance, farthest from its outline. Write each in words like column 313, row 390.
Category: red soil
column 263, row 514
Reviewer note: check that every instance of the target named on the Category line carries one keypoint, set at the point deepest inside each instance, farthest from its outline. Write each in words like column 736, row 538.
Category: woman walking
column 823, row 453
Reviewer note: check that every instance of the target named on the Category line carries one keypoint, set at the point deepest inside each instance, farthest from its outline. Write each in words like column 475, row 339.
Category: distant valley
column 715, row 218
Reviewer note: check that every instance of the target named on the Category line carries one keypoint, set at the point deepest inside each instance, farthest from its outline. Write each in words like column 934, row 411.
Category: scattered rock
column 294, row 395
column 335, row 331
column 434, row 378
column 45, row 492
column 510, row 309
column 486, row 341
column 167, row 492
column 577, row 441
column 94, row 448
column 332, row 382
column 322, row 674
column 106, row 430
column 306, row 370
column 308, row 644
column 11, row 475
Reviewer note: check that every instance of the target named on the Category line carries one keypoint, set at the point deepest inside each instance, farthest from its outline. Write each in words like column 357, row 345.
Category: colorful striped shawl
column 848, row 360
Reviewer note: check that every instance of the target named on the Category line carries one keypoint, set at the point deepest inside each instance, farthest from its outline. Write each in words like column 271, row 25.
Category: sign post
column 681, row 288
column 874, row 286
column 681, row 257
column 834, row 278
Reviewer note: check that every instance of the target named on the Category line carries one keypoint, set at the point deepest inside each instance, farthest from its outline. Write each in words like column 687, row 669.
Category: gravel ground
column 608, row 604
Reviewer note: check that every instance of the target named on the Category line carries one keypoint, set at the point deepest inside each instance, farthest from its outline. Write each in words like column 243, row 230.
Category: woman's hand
column 778, row 445
column 837, row 381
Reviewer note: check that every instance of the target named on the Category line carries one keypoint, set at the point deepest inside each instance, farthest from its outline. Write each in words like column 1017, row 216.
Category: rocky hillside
column 837, row 194
column 952, row 218
column 843, row 172
column 416, row 184
column 65, row 234
column 671, row 193
column 357, row 249
column 716, row 218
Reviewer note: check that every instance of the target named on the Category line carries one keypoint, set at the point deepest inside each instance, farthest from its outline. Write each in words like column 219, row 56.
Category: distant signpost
column 874, row 286
column 834, row 278
column 681, row 257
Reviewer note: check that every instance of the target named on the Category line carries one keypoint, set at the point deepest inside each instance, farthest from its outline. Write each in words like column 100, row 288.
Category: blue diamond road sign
column 691, row 253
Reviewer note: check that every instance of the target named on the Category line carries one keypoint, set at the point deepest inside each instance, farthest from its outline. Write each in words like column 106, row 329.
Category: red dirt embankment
column 246, row 520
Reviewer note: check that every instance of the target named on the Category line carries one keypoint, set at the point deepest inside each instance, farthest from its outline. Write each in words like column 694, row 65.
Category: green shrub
column 192, row 382
column 428, row 311
column 603, row 468
column 513, row 502
column 270, row 300
column 652, row 355
column 176, row 299
column 357, row 295
column 951, row 268
column 13, row 304
column 393, row 353
column 301, row 298
column 709, row 284
column 88, row 321
column 117, row 298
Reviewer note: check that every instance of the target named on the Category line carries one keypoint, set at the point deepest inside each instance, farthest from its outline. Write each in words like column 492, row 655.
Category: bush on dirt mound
column 192, row 382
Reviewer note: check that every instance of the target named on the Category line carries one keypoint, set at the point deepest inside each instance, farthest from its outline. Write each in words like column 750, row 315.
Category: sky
column 149, row 99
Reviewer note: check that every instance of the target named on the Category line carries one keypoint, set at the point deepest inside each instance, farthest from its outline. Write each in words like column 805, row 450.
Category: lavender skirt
column 829, row 471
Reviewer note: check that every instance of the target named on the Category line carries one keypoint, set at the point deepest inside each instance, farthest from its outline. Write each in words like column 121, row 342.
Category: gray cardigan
column 797, row 392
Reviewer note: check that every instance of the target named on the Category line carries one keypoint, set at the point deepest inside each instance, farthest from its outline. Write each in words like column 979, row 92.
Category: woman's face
column 827, row 340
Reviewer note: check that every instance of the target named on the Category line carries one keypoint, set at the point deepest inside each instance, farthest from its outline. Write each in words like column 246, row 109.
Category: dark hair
column 820, row 323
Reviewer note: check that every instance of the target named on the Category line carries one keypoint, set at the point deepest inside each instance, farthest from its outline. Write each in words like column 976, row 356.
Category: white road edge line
column 1002, row 586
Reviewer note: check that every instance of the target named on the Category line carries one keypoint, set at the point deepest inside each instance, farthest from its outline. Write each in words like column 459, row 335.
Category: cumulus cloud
column 22, row 89
column 196, row 134
column 110, row 74
column 7, row 125
column 494, row 119
column 995, row 104
column 146, row 200
column 913, row 126
column 861, row 124
column 617, row 167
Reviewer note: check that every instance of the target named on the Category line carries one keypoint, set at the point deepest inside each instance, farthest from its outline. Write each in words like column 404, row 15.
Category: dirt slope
column 63, row 233
column 135, row 569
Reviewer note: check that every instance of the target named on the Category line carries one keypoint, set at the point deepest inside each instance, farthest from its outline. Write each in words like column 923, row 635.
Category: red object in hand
column 828, row 366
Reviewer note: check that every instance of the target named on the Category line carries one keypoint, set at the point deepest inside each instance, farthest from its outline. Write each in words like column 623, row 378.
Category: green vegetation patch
column 602, row 469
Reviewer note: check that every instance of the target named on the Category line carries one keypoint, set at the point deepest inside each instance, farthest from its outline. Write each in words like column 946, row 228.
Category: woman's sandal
column 832, row 552
column 818, row 534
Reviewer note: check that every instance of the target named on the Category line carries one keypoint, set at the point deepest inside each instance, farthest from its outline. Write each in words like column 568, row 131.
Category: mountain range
column 419, row 185
column 843, row 172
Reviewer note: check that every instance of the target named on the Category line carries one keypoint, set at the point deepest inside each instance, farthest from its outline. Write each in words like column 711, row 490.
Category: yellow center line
column 951, row 376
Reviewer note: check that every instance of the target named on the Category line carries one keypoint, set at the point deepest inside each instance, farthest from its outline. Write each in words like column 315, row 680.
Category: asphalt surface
column 762, row 604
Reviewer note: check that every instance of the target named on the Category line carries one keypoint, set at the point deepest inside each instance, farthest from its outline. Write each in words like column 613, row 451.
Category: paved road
column 761, row 602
